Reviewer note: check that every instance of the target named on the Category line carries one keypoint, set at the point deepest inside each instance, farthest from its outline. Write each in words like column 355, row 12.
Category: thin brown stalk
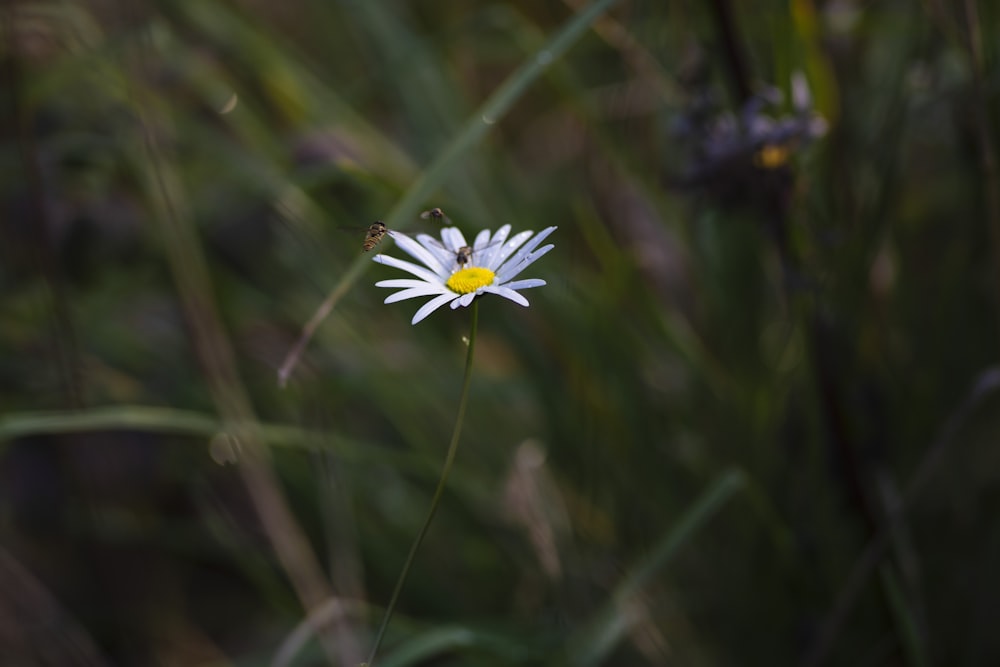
column 189, row 268
column 65, row 355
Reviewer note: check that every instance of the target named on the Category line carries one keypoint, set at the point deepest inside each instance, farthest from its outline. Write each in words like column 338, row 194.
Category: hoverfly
column 465, row 254
column 373, row 235
column 377, row 230
column 437, row 214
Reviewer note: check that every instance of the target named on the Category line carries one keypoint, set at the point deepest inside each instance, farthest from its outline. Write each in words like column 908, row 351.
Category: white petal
column 524, row 284
column 414, row 292
column 409, row 267
column 494, row 255
column 482, row 239
column 402, row 282
column 514, row 267
column 523, row 253
column 444, row 256
column 464, row 300
column 414, row 249
column 501, row 253
column 452, row 238
column 488, row 257
column 531, row 245
column 431, row 306
column 507, row 294
column 501, row 235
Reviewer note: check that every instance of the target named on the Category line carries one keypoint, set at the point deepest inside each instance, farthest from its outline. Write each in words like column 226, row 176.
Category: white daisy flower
column 455, row 272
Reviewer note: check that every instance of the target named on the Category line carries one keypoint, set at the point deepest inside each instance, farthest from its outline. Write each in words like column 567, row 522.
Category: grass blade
column 610, row 624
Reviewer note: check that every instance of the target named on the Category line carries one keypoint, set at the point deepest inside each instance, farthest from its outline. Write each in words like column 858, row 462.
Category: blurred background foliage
column 751, row 420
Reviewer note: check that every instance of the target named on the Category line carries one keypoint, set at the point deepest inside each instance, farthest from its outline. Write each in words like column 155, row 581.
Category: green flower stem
column 439, row 491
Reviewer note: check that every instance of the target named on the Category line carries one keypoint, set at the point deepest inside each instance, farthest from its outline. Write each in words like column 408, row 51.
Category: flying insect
column 373, row 235
column 436, row 214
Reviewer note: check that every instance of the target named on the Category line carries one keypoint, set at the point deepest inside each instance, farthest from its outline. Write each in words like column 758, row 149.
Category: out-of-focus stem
column 189, row 269
column 987, row 149
column 65, row 355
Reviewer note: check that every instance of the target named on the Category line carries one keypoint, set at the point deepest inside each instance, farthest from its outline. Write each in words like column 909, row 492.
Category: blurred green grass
column 815, row 330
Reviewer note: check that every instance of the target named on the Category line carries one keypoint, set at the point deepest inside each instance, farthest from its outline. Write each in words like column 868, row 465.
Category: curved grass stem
column 438, row 492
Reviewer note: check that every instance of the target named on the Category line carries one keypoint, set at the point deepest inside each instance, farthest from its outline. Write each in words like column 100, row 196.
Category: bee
column 375, row 232
column 437, row 214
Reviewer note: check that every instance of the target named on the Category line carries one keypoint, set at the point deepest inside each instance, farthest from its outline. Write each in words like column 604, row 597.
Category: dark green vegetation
column 752, row 419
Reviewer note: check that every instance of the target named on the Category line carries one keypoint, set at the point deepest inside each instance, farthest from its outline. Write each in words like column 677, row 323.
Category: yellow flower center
column 469, row 280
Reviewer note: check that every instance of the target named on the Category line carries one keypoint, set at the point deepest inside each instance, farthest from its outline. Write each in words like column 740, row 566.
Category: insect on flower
column 466, row 254
column 487, row 266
